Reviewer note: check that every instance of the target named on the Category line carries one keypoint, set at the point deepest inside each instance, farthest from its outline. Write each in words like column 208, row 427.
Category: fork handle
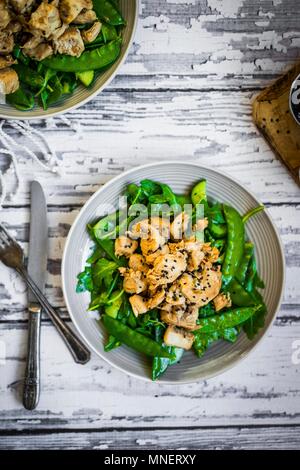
column 31, row 390
column 78, row 350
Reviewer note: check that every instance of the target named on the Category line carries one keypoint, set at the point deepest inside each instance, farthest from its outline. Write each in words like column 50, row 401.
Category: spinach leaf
column 85, row 282
column 102, row 272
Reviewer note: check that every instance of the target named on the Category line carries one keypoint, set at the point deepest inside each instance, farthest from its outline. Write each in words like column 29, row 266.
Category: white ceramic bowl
column 181, row 177
column 81, row 95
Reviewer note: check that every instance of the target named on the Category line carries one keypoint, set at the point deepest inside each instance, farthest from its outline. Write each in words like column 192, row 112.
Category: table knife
column 37, row 265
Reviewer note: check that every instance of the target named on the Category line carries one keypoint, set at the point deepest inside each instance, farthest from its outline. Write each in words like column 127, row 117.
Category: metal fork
column 11, row 254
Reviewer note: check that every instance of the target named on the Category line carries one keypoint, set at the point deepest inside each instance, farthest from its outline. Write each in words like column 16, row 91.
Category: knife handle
column 79, row 351
column 31, row 390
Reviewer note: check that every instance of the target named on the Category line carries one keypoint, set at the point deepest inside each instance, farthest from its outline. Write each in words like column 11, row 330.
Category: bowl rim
column 103, row 355
column 96, row 92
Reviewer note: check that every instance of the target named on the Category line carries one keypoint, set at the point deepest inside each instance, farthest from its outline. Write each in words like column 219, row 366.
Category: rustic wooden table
column 185, row 92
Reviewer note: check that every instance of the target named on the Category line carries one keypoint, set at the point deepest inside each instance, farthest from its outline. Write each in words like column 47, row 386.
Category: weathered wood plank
column 277, row 438
column 212, row 43
column 263, row 389
column 213, row 129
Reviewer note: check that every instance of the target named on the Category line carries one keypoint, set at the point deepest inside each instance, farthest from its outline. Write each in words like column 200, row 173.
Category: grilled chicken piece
column 39, row 52
column 174, row 295
column 6, row 61
column 45, row 19
column 178, row 316
column 164, row 250
column 6, row 42
column 59, row 31
column 138, row 304
column 222, row 301
column 195, row 255
column 124, row 246
column 152, row 233
column 21, row 6
column 137, row 263
column 9, row 81
column 134, row 281
column 89, row 35
column 70, row 9
column 200, row 225
column 14, row 27
column 156, row 299
column 201, row 289
column 166, row 269
column 180, row 226
column 178, row 337
column 4, row 14
column 85, row 17
column 33, row 42
column 70, row 43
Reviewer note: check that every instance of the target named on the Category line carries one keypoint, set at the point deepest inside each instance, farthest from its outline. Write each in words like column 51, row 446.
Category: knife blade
column 36, row 267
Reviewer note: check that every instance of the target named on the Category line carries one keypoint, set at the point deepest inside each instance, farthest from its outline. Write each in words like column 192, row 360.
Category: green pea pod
column 21, row 99
column 203, row 341
column 198, row 193
column 251, row 275
column 109, row 32
column 228, row 319
column 108, row 12
column 252, row 212
column 239, row 295
column 241, row 271
column 89, row 60
column 133, row 339
column 235, row 243
column 160, row 364
column 112, row 343
column 28, row 76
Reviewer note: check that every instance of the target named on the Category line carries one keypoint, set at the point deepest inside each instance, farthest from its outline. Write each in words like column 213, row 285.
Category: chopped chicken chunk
column 156, row 299
column 200, row 225
column 39, row 52
column 178, row 316
column 32, row 42
column 166, row 269
column 174, row 295
column 180, row 226
column 14, row 27
column 70, row 9
column 6, row 42
column 85, row 17
column 124, row 246
column 134, row 281
column 222, row 301
column 152, row 234
column 201, row 289
column 195, row 255
column 164, row 250
column 4, row 14
column 59, row 31
column 178, row 337
column 137, row 263
column 9, row 81
column 138, row 304
column 89, row 35
column 6, row 61
column 21, row 6
column 70, row 43
column 45, row 19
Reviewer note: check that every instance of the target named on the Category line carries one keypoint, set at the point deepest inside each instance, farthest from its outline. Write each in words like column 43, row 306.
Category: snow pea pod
column 241, row 271
column 235, row 243
column 133, row 339
column 89, row 60
column 108, row 12
column 228, row 319
column 239, row 295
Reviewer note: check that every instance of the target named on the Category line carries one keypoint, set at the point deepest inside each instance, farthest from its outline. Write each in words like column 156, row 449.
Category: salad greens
column 47, row 81
column 225, row 231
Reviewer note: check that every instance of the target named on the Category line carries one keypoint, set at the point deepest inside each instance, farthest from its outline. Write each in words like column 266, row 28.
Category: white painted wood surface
column 185, row 92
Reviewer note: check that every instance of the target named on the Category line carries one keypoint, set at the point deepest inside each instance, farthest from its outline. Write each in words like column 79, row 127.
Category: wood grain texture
column 185, row 92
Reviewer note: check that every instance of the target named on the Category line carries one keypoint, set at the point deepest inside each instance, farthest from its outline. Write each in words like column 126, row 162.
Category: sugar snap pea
column 89, row 60
column 241, row 271
column 252, row 212
column 134, row 339
column 235, row 243
column 108, row 12
column 239, row 295
column 228, row 319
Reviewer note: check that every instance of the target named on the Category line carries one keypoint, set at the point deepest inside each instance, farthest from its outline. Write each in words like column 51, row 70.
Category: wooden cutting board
column 271, row 113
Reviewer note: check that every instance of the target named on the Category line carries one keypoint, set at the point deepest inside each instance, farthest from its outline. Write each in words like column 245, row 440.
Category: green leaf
column 85, row 282
column 102, row 272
